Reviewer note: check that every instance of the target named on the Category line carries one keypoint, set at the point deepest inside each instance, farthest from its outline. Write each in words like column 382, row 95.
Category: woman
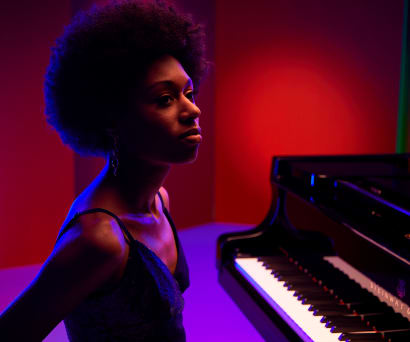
column 120, row 84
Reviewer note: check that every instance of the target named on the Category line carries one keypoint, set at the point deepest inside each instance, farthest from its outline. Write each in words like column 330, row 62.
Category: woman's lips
column 193, row 131
column 193, row 138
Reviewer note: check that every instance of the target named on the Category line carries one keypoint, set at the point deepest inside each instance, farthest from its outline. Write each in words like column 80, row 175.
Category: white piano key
column 303, row 322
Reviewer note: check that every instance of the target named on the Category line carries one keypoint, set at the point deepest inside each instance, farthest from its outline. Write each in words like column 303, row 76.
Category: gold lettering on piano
column 396, row 304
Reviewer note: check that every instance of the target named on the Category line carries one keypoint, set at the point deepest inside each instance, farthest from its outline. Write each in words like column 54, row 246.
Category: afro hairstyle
column 102, row 55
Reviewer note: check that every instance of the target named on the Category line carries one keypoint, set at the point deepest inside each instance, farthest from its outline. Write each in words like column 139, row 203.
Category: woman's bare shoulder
column 86, row 258
column 96, row 233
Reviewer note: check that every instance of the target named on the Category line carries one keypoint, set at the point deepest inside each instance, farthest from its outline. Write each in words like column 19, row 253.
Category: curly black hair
column 102, row 55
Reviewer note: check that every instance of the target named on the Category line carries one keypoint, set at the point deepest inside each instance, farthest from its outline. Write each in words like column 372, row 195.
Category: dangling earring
column 115, row 155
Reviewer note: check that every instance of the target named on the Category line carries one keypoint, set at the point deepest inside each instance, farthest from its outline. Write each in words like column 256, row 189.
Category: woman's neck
column 134, row 187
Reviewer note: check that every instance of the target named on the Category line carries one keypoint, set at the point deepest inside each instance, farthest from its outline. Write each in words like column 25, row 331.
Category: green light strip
column 402, row 120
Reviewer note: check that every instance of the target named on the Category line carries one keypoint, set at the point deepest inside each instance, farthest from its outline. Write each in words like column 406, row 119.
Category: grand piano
column 349, row 284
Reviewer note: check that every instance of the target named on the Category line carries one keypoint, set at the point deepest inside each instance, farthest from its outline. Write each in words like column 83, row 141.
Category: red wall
column 291, row 77
column 36, row 174
column 299, row 77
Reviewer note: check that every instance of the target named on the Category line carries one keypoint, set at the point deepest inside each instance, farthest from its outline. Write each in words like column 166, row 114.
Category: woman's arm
column 86, row 257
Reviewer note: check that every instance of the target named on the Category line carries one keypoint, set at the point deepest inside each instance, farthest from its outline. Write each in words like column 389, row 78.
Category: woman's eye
column 165, row 100
column 190, row 96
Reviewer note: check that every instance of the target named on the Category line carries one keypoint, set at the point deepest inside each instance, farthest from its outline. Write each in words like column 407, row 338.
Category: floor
column 209, row 314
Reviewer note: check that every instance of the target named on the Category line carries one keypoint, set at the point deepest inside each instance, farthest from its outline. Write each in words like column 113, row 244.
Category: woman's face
column 162, row 115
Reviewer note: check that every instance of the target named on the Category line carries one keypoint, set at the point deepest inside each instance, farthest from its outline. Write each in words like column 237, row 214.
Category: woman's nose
column 190, row 110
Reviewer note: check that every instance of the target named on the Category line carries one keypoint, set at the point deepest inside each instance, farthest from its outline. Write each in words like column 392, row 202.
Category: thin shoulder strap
column 168, row 216
column 164, row 209
column 162, row 201
column 96, row 210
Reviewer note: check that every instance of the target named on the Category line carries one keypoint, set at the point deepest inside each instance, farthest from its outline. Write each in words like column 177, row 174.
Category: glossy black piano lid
column 369, row 193
column 351, row 166
column 395, row 190
column 295, row 173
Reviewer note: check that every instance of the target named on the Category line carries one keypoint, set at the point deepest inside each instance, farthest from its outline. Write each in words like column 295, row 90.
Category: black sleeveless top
column 147, row 303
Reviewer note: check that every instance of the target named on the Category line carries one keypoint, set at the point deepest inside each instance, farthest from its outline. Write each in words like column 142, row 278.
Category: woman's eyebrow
column 169, row 83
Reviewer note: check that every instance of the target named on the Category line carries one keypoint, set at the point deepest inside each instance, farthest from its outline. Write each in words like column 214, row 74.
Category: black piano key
column 278, row 268
column 315, row 296
column 380, row 321
column 348, row 327
column 387, row 322
column 330, row 312
column 349, row 292
column 313, row 290
column 299, row 277
column 397, row 336
column 312, row 295
column 320, row 301
column 372, row 336
column 302, row 286
column 333, row 278
column 274, row 258
column 299, row 284
column 321, row 268
column 340, row 285
column 290, row 272
column 345, row 323
column 325, row 306
column 277, row 262
column 366, row 308
column 275, row 270
column 354, row 295
column 342, row 319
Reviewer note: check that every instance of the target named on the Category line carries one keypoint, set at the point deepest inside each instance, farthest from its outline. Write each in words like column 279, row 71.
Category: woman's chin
column 186, row 158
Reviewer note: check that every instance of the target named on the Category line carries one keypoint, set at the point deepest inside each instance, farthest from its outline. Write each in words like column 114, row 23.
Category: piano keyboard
column 304, row 323
column 335, row 309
